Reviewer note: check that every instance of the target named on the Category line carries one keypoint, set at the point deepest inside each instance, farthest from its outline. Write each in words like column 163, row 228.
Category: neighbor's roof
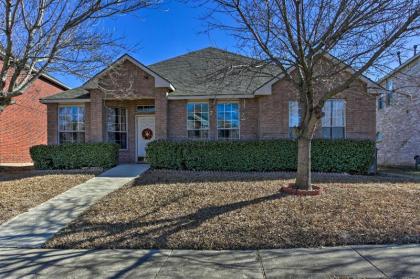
column 45, row 76
column 399, row 68
column 212, row 72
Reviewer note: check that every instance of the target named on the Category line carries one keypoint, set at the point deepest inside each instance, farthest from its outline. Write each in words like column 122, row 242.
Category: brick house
column 190, row 97
column 24, row 123
column 398, row 114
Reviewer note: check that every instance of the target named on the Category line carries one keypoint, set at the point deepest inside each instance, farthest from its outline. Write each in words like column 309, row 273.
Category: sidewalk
column 33, row 228
column 358, row 261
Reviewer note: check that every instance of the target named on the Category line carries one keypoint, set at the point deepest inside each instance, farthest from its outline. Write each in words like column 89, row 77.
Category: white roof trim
column 63, row 101
column 54, row 80
column 399, row 68
column 206, row 97
column 159, row 81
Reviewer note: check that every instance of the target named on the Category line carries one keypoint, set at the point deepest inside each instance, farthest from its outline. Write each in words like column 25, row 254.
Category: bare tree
column 44, row 36
column 322, row 47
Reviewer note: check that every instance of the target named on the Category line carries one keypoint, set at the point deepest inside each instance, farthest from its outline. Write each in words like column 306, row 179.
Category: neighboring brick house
column 190, row 97
column 24, row 123
column 398, row 115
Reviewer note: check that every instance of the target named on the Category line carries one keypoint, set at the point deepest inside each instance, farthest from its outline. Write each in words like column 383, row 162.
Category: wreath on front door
column 147, row 134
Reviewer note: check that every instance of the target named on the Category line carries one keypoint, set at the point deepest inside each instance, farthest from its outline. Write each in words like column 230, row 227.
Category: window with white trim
column 294, row 118
column 198, row 120
column 117, row 126
column 333, row 121
column 71, row 124
column 389, row 92
column 228, row 122
column 146, row 109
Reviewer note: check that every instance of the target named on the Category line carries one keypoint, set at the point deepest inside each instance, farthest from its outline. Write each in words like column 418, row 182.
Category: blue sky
column 169, row 30
column 164, row 32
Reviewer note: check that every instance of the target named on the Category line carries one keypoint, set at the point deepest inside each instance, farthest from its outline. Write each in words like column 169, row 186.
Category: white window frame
column 126, row 125
column 200, row 129
column 239, row 120
column 146, row 109
column 389, row 92
column 70, row 131
column 289, row 118
column 344, row 117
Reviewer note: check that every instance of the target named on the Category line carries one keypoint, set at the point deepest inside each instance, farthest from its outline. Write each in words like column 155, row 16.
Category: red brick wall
column 267, row 117
column 177, row 119
column 24, row 123
column 360, row 112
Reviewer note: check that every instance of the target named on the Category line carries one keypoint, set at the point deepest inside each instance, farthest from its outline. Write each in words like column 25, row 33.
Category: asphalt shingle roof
column 212, row 71
column 75, row 93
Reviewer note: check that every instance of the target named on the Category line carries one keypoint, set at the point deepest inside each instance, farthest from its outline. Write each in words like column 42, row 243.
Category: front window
column 71, row 124
column 333, row 121
column 198, row 120
column 389, row 92
column 117, row 126
column 294, row 118
column 228, row 121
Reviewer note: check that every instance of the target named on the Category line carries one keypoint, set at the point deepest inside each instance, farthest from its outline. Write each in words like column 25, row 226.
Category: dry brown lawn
column 23, row 189
column 204, row 210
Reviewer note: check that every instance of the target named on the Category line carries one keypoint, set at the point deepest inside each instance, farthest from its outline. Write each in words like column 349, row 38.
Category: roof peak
column 220, row 50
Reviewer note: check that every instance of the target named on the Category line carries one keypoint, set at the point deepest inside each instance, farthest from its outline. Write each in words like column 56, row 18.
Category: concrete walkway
column 31, row 229
column 335, row 262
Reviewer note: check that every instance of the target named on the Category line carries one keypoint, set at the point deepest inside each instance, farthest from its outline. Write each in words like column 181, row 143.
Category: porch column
column 52, row 123
column 97, row 114
column 161, row 114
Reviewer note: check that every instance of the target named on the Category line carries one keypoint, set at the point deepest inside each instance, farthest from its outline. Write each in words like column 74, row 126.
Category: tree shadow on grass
column 158, row 232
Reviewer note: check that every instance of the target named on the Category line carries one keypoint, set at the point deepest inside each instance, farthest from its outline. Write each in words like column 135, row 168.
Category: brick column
column 97, row 114
column 161, row 115
column 52, row 123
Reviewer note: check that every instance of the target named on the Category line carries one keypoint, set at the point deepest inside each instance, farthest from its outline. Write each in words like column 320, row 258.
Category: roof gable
column 159, row 80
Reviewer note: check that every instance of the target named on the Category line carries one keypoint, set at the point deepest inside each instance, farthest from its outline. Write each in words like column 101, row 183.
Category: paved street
column 358, row 261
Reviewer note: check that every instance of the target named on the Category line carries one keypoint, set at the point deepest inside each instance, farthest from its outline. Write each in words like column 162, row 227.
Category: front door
column 145, row 134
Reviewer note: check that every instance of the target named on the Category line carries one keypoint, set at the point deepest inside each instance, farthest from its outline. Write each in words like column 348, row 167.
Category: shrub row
column 74, row 156
column 352, row 156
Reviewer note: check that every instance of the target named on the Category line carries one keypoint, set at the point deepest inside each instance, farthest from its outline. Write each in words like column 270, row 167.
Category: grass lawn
column 204, row 210
column 24, row 188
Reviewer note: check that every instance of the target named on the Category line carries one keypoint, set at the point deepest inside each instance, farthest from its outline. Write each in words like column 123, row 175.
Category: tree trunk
column 303, row 177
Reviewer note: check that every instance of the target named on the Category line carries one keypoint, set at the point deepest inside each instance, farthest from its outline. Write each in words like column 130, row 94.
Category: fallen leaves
column 228, row 210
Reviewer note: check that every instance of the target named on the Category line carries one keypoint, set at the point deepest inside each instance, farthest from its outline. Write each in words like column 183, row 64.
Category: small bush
column 74, row 156
column 352, row 156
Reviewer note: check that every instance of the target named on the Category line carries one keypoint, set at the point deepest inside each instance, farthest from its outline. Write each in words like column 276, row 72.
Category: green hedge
column 352, row 156
column 74, row 156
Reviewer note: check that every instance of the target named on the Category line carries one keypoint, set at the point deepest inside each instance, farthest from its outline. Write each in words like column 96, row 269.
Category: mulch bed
column 211, row 210
column 24, row 188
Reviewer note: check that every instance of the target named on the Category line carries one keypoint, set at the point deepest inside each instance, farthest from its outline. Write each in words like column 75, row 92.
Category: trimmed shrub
column 74, row 156
column 352, row 156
